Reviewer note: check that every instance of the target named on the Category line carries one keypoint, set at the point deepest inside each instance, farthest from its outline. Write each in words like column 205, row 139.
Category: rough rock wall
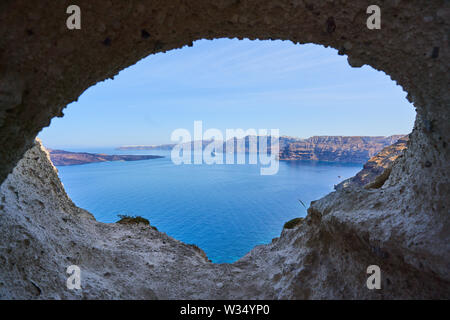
column 42, row 233
column 44, row 66
column 403, row 226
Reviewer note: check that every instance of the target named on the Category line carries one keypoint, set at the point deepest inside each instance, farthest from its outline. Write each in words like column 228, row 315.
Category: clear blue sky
column 303, row 90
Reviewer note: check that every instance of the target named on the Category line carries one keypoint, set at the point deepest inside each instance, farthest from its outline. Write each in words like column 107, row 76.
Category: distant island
column 67, row 158
column 357, row 149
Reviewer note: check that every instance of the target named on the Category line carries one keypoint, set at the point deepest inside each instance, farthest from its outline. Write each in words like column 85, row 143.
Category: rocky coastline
column 67, row 158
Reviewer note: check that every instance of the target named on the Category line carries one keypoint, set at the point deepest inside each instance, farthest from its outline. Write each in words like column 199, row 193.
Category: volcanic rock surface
column 401, row 226
column 42, row 233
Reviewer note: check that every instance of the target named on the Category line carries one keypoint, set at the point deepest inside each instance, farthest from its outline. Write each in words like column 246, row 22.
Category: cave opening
column 226, row 83
column 402, row 226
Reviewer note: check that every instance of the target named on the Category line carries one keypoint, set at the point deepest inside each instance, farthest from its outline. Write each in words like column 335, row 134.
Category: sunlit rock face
column 378, row 168
column 402, row 226
column 356, row 149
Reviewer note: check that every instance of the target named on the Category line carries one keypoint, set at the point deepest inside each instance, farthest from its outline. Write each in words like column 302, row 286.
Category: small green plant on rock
column 291, row 224
column 125, row 219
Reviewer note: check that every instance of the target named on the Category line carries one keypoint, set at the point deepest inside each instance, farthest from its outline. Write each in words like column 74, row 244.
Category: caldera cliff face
column 334, row 148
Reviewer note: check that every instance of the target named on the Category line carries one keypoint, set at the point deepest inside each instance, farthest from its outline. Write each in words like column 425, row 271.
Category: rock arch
column 44, row 66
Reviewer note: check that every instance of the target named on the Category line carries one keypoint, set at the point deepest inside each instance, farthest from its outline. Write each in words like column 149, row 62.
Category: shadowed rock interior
column 402, row 226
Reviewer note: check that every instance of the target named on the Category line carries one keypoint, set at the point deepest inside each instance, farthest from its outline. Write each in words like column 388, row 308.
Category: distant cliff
column 335, row 148
column 66, row 158
column 376, row 171
column 356, row 149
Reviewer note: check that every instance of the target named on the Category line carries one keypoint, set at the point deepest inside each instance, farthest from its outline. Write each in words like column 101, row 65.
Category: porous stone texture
column 402, row 226
column 44, row 66
column 324, row 257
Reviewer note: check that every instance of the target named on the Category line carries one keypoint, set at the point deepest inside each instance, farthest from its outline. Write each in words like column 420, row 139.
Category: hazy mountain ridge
column 357, row 149
column 336, row 148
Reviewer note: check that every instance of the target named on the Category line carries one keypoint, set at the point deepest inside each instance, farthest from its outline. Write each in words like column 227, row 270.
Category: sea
column 224, row 209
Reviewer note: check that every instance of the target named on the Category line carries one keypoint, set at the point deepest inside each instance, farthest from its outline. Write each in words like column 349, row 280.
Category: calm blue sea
column 224, row 209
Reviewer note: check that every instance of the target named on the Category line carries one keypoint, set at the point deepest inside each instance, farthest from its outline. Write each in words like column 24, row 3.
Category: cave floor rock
column 325, row 257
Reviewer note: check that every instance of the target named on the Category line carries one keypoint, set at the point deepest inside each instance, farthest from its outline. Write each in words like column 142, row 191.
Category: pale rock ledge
column 42, row 232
